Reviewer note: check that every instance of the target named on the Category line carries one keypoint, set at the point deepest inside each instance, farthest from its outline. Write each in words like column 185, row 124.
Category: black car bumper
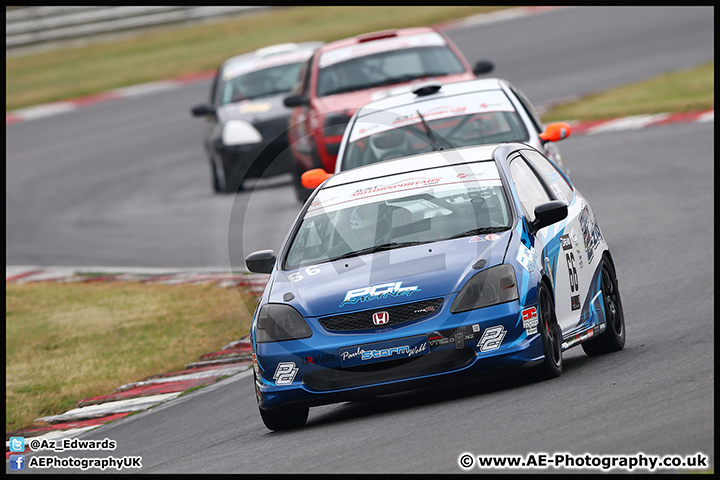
column 257, row 160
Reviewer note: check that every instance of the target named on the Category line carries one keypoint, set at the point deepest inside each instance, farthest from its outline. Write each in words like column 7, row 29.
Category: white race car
column 435, row 116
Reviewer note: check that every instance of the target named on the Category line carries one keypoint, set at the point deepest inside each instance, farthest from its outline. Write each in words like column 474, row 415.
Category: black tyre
column 551, row 339
column 224, row 180
column 613, row 338
column 217, row 178
column 284, row 419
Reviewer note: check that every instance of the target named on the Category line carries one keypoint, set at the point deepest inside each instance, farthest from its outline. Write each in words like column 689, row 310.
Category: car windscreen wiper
column 479, row 231
column 409, row 77
column 271, row 93
column 434, row 74
column 393, row 80
column 346, row 90
column 376, row 248
column 385, row 82
column 434, row 142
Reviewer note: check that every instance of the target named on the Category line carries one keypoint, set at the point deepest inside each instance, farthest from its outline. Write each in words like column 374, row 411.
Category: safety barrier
column 27, row 27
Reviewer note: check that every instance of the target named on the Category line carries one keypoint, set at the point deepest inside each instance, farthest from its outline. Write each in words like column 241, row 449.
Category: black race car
column 246, row 121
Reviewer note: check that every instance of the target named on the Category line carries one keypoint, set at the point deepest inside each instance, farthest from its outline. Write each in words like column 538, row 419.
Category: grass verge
column 68, row 341
column 673, row 92
column 170, row 52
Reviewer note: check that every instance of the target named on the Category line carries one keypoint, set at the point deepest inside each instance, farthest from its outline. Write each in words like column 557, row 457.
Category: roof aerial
column 427, row 88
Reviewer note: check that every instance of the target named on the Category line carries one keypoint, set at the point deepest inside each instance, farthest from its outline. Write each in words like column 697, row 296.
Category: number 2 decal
column 491, row 338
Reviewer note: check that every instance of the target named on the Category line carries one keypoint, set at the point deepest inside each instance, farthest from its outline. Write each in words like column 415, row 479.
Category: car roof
column 468, row 87
column 365, row 37
column 277, row 50
column 421, row 161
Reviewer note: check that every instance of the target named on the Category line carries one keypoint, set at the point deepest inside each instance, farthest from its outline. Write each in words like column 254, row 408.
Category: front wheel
column 613, row 338
column 284, row 419
column 551, row 339
column 222, row 180
column 218, row 176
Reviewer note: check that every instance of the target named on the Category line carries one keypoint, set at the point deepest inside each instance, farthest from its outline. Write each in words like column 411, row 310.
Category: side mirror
column 203, row 109
column 483, row 66
column 549, row 213
column 555, row 132
column 296, row 101
column 312, row 178
column 261, row 261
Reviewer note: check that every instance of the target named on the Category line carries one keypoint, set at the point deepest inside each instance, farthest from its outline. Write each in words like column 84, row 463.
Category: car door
column 558, row 246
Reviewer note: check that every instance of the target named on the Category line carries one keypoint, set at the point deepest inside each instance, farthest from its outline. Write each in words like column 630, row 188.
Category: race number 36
column 491, row 338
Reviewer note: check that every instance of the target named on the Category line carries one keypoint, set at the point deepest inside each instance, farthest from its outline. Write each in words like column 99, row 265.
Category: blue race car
column 443, row 264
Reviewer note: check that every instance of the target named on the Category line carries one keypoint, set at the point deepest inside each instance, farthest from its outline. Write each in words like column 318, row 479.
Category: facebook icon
column 17, row 462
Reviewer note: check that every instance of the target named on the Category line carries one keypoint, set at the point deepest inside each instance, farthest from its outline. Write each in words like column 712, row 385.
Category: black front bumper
column 255, row 161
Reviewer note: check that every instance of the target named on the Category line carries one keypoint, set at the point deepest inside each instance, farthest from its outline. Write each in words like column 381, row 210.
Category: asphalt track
column 124, row 184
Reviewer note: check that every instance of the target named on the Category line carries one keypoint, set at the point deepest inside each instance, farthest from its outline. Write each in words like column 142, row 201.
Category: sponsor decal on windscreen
column 444, row 179
column 382, row 121
column 341, row 54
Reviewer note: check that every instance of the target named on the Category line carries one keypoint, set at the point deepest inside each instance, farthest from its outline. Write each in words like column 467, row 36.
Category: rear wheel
column 284, row 419
column 551, row 339
column 613, row 338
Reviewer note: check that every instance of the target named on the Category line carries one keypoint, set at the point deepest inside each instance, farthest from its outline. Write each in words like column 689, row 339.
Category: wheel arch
column 606, row 254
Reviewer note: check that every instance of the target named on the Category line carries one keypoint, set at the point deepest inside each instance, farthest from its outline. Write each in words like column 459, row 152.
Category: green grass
column 674, row 92
column 68, row 341
column 170, row 52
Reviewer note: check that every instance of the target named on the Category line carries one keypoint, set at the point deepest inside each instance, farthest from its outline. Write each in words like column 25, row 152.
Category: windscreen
column 385, row 62
column 461, row 121
column 401, row 210
column 259, row 83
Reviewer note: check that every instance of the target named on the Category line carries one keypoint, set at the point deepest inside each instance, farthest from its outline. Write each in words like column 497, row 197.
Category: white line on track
column 107, row 408
column 634, row 122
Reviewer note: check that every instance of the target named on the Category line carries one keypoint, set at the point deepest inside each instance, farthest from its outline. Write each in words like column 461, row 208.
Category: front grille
column 398, row 314
column 438, row 361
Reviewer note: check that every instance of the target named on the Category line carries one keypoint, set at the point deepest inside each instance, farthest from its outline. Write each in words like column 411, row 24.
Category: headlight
column 489, row 287
column 335, row 124
column 277, row 322
column 237, row 132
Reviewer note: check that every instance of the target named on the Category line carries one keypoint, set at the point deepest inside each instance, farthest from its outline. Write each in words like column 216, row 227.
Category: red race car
column 344, row 75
